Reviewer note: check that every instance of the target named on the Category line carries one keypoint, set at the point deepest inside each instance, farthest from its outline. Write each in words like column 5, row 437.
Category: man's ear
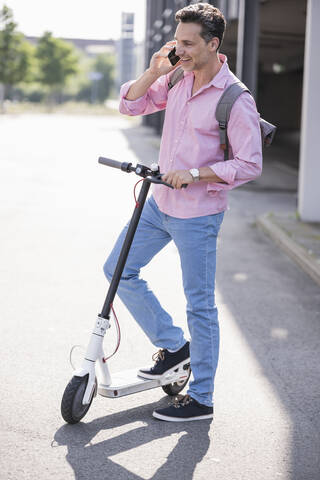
column 214, row 44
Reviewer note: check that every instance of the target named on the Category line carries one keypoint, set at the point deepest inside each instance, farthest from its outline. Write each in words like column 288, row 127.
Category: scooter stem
column 125, row 249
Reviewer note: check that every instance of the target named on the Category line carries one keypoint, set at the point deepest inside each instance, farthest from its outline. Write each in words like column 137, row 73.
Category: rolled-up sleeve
column 245, row 141
column 154, row 100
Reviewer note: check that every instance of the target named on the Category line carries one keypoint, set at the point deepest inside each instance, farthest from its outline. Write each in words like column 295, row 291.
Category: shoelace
column 156, row 357
column 181, row 401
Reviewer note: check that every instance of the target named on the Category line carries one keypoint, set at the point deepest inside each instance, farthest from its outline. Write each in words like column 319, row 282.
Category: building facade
column 273, row 47
column 90, row 47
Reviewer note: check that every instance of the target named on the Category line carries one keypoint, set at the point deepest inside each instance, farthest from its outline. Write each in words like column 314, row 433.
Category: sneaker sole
column 179, row 419
column 149, row 376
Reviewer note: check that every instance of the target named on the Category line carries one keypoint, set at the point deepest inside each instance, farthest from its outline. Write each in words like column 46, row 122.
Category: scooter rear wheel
column 176, row 387
column 72, row 408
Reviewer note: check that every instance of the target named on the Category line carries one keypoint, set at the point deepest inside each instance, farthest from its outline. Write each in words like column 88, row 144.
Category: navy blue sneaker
column 184, row 409
column 165, row 362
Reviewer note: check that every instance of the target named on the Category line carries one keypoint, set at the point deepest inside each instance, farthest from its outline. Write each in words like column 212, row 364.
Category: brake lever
column 159, row 181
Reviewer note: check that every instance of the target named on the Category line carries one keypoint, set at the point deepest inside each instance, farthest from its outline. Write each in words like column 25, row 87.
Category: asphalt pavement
column 60, row 214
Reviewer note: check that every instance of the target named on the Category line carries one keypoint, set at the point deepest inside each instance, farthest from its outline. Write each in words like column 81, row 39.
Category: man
column 190, row 154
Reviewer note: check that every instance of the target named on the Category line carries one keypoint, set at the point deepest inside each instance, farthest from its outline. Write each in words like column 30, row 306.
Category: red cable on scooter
column 113, row 311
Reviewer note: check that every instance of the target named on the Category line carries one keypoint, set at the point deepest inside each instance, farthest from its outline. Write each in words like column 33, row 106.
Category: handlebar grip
column 109, row 162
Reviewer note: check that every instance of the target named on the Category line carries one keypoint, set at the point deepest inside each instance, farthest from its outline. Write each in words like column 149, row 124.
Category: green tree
column 97, row 80
column 104, row 64
column 15, row 54
column 57, row 61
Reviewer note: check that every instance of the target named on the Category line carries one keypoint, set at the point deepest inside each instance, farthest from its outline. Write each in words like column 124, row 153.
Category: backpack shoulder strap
column 176, row 76
column 223, row 111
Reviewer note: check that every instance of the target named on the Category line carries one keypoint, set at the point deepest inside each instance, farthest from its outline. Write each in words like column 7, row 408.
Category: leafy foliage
column 54, row 70
column 57, row 60
column 15, row 52
column 99, row 81
column 104, row 65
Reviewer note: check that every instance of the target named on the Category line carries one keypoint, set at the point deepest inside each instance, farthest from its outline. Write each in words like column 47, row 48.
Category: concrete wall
column 309, row 172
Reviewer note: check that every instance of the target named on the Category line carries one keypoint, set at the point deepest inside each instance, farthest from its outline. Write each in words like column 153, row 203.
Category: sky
column 91, row 19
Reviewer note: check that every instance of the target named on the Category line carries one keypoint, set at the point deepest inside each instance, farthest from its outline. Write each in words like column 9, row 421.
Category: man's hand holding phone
column 165, row 60
column 160, row 64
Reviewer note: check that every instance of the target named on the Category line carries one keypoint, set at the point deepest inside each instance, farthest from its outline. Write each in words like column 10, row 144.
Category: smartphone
column 173, row 57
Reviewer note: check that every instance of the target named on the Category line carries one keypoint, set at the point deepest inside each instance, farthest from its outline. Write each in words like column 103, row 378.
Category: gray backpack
column 223, row 111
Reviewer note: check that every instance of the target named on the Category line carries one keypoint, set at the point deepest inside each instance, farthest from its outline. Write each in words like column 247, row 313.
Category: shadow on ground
column 90, row 461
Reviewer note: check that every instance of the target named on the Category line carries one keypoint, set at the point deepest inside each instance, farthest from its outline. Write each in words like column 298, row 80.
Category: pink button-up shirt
column 190, row 139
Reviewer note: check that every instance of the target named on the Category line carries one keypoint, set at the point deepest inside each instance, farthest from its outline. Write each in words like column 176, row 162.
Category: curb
column 288, row 245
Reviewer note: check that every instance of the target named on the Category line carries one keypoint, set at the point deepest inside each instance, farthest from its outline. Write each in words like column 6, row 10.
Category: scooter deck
column 125, row 383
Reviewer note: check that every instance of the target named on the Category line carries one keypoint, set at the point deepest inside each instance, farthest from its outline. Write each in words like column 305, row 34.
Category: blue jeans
column 195, row 239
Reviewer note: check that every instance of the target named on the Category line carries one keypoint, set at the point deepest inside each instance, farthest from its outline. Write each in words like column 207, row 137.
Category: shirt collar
column 219, row 80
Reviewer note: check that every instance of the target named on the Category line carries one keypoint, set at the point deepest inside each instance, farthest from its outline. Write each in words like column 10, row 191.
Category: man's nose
column 179, row 50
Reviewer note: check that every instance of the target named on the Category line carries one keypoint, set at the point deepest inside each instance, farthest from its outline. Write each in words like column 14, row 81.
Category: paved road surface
column 60, row 213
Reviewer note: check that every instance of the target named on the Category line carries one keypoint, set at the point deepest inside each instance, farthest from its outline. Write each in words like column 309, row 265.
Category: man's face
column 191, row 47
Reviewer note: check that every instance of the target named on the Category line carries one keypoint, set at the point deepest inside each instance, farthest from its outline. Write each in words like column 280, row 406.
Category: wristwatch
column 195, row 174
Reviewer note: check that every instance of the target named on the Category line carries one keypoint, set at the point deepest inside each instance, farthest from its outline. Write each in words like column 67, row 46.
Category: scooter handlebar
column 109, row 162
column 127, row 167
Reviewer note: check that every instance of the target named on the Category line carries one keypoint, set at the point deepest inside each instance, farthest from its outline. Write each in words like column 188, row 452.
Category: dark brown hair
column 209, row 17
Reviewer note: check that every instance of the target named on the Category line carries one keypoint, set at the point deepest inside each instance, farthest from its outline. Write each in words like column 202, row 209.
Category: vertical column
column 148, row 48
column 248, row 43
column 309, row 171
column 127, row 53
column 148, row 36
column 222, row 5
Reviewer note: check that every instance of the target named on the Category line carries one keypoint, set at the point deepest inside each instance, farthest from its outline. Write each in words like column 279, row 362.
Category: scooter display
column 86, row 381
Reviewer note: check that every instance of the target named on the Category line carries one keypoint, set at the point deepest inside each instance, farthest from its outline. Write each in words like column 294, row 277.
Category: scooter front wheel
column 176, row 387
column 72, row 408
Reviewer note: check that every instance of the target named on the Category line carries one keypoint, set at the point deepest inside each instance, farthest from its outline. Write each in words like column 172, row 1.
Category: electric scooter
column 84, row 386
